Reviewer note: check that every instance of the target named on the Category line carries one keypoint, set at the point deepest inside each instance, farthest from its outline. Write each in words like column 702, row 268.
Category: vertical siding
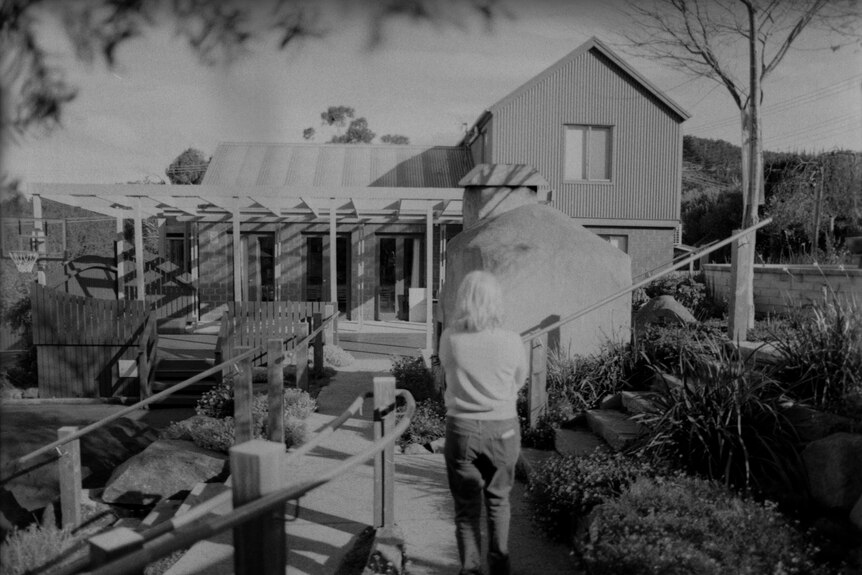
column 646, row 140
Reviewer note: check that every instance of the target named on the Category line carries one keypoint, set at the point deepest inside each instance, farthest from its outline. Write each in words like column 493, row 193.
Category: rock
column 415, row 449
column 30, row 393
column 438, row 445
column 164, row 469
column 834, row 467
column 612, row 401
column 811, row 424
column 662, row 309
column 577, row 442
column 11, row 513
column 549, row 267
column 103, row 449
column 856, row 514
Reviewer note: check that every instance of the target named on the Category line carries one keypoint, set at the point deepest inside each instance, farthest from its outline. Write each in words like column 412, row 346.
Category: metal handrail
column 184, row 537
column 530, row 335
column 12, row 466
column 225, row 497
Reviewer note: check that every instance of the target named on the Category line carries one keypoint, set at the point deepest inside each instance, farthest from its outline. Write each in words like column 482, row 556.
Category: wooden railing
column 258, row 493
column 536, row 341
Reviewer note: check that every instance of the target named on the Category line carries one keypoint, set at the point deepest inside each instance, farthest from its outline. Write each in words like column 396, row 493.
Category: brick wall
column 777, row 288
column 649, row 248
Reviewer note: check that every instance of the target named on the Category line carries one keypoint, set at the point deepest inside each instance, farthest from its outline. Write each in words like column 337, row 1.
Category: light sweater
column 484, row 371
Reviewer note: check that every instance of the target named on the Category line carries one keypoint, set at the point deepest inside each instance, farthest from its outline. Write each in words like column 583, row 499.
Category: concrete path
column 331, row 517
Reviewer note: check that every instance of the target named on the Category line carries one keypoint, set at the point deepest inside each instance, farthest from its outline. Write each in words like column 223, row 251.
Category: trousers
column 480, row 465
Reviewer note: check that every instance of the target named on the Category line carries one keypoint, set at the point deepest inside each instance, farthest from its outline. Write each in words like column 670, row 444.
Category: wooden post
column 537, row 398
column 275, row 391
column 329, row 333
column 120, row 253
column 333, row 253
column 384, row 461
column 140, row 282
column 740, row 316
column 237, row 255
column 144, row 367
column 39, row 240
column 70, row 477
column 115, row 543
column 259, row 545
column 300, row 354
column 316, row 322
column 242, row 398
column 429, row 278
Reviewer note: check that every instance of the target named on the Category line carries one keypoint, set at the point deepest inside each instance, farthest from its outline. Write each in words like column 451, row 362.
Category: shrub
column 218, row 401
column 428, row 423
column 26, row 549
column 690, row 526
column 724, row 423
column 823, row 356
column 18, row 315
column 564, row 487
column 411, row 374
column 214, row 434
column 336, row 356
column 674, row 348
column 577, row 383
column 687, row 289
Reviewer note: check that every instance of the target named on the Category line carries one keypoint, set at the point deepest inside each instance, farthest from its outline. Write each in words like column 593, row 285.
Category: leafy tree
column 357, row 131
column 35, row 92
column 395, row 139
column 188, row 168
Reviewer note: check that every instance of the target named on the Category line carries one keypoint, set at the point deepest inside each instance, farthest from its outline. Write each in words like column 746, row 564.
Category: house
column 367, row 225
column 608, row 142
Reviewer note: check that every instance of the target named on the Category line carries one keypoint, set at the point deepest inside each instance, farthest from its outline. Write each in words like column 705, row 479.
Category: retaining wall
column 777, row 288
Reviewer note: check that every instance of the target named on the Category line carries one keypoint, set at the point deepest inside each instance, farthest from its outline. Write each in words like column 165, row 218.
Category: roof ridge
column 340, row 145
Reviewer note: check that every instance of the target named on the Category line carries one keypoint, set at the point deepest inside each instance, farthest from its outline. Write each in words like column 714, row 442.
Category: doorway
column 258, row 266
column 317, row 270
column 401, row 266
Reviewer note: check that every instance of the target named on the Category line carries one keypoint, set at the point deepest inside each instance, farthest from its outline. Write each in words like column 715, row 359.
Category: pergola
column 239, row 204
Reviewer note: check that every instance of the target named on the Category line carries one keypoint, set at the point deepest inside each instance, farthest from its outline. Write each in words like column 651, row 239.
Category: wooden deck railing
column 536, row 341
column 258, row 493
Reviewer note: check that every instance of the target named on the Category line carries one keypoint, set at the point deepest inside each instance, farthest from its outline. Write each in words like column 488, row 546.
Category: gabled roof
column 337, row 165
column 596, row 45
column 591, row 44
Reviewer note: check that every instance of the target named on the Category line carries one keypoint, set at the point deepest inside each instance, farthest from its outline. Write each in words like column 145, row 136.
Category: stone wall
column 777, row 288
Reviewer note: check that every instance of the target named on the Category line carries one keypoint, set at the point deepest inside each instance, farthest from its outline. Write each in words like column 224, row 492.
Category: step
column 616, row 428
column 577, row 442
column 529, row 460
column 664, row 381
column 638, row 402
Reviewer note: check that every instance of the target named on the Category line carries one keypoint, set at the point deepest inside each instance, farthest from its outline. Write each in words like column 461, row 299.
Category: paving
column 331, row 518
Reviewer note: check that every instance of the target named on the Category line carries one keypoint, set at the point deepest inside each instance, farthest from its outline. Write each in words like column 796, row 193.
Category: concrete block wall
column 778, row 288
column 649, row 248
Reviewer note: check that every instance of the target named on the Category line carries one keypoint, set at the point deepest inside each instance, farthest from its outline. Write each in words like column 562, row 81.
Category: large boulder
column 856, row 514
column 834, row 467
column 103, row 449
column 549, row 267
column 663, row 309
column 165, row 469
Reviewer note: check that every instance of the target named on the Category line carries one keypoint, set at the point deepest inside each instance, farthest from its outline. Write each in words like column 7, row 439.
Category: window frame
column 586, row 148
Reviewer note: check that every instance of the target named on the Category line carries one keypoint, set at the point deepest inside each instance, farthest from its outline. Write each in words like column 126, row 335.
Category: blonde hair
column 479, row 302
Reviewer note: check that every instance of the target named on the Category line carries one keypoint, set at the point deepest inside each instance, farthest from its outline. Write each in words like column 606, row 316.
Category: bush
column 336, row 356
column 218, row 401
column 687, row 289
column 564, row 487
column 214, row 434
column 690, row 526
column 674, row 348
column 17, row 314
column 577, row 383
column 823, row 355
column 411, row 374
column 26, row 549
column 724, row 423
column 428, row 423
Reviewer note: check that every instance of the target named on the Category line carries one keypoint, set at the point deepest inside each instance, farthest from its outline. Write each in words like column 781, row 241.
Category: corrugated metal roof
column 337, row 165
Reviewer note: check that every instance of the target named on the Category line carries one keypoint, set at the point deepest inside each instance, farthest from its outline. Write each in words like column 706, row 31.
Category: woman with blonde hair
column 485, row 366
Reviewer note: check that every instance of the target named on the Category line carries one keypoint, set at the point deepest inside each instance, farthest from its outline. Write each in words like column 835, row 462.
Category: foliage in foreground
column 410, row 373
column 26, row 549
column 683, row 525
column 823, row 355
column 427, row 425
column 564, row 487
column 724, row 423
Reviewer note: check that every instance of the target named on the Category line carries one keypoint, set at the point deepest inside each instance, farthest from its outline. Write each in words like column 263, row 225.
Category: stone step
column 664, row 381
column 577, row 442
column 616, row 428
column 529, row 460
column 637, row 402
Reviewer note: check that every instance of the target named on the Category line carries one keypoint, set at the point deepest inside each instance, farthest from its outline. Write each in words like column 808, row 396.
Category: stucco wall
column 777, row 288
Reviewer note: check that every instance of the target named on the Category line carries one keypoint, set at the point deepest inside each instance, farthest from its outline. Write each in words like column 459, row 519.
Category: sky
column 426, row 82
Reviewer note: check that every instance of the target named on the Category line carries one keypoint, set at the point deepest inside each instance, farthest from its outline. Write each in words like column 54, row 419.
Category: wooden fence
column 87, row 347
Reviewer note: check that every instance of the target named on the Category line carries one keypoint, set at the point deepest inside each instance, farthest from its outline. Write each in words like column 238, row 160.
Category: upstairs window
column 588, row 153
